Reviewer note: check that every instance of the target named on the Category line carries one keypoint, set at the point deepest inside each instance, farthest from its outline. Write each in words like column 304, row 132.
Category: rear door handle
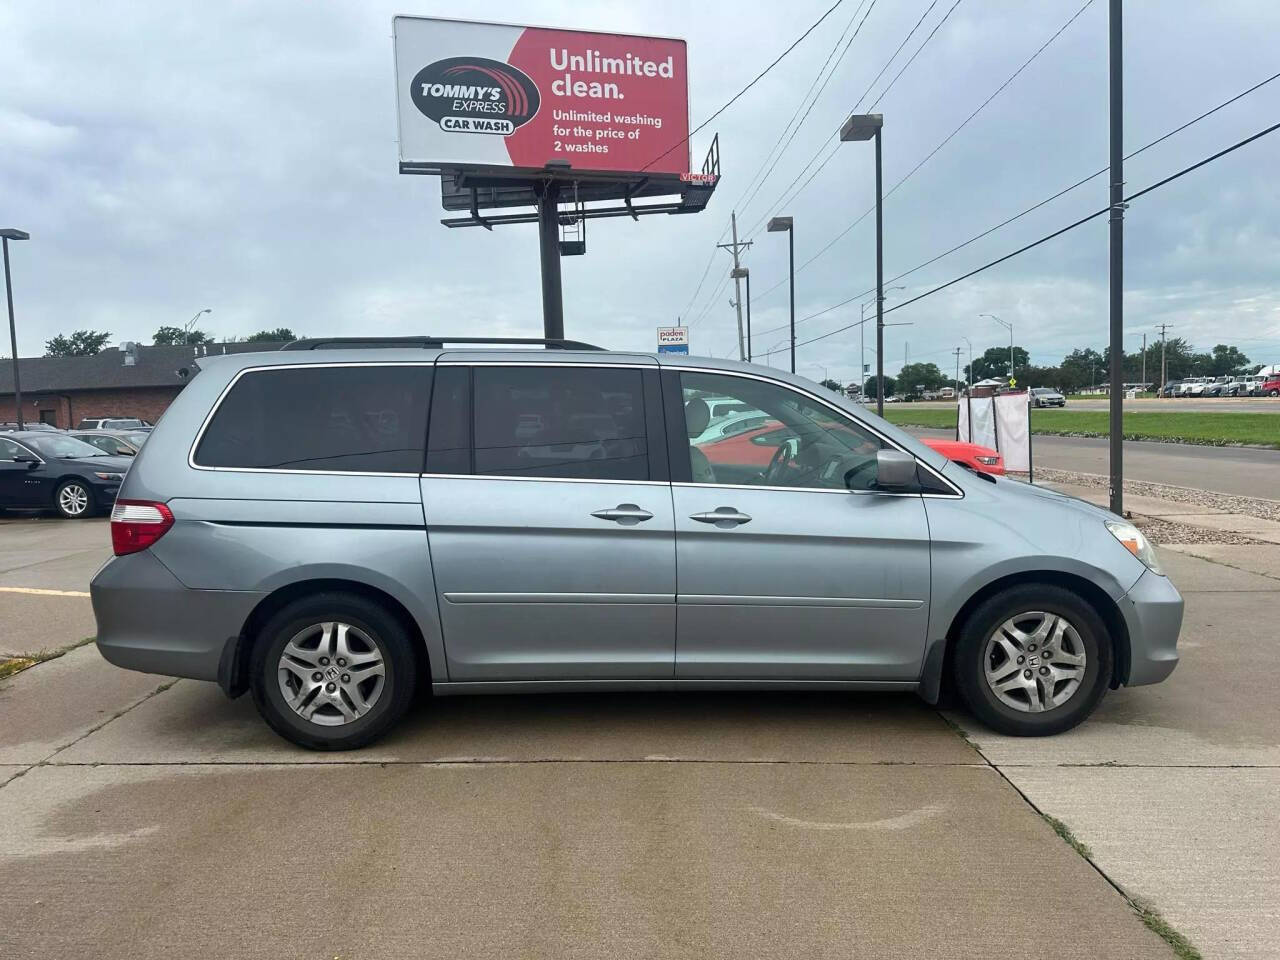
column 627, row 514
column 723, row 517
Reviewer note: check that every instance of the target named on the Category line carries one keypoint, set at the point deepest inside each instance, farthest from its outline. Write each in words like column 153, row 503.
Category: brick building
column 139, row 383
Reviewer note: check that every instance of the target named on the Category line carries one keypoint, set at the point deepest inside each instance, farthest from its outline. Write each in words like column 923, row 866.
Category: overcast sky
column 168, row 157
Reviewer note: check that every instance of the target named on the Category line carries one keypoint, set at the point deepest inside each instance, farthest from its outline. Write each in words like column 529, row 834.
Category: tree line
column 1081, row 368
column 88, row 343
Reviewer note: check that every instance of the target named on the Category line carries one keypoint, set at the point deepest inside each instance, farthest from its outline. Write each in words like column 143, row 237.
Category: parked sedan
column 1044, row 397
column 41, row 470
column 117, row 443
column 972, row 455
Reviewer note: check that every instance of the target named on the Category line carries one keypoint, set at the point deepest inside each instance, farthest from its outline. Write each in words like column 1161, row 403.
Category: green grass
column 1062, row 830
column 1215, row 429
column 10, row 666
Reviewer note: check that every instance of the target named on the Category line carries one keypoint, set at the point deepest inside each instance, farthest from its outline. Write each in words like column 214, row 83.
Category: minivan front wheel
column 1033, row 660
column 332, row 671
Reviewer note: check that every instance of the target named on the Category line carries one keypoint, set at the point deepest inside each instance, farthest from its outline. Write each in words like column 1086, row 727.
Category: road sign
column 673, row 340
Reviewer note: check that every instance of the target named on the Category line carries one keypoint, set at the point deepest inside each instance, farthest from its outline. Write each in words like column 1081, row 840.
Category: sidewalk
column 1172, row 787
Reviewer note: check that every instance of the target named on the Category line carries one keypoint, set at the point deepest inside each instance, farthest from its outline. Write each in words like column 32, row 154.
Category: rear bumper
column 1152, row 610
column 148, row 620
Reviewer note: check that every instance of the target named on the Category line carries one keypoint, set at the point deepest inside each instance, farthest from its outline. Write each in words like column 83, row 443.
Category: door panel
column 534, row 585
column 815, row 586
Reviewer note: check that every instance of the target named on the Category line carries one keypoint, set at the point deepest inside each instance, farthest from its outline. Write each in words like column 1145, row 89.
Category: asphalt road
column 1241, row 471
column 145, row 818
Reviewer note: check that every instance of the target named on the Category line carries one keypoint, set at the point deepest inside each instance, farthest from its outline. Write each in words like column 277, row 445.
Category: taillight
column 137, row 524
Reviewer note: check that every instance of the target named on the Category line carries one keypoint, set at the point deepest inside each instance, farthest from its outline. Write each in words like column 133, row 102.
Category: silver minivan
column 338, row 524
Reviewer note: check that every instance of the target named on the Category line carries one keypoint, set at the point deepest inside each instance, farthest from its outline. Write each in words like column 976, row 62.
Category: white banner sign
column 1002, row 423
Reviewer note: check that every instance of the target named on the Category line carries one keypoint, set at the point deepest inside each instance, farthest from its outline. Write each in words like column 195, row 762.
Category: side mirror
column 895, row 470
column 28, row 459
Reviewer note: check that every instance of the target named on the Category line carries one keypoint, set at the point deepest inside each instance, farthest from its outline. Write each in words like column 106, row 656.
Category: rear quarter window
column 360, row 419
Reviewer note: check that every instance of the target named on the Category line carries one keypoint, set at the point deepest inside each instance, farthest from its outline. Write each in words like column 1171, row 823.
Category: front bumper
column 149, row 620
column 1152, row 611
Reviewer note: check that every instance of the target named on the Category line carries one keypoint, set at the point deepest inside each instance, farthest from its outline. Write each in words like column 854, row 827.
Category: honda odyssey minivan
column 335, row 525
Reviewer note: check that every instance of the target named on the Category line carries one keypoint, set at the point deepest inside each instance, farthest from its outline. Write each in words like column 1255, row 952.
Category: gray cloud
column 242, row 157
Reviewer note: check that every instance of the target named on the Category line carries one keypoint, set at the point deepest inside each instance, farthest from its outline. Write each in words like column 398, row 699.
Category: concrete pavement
column 1173, row 786
column 558, row 826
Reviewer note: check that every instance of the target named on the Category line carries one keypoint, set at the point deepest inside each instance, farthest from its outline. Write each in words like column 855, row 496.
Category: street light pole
column 867, row 126
column 778, row 225
column 1008, row 326
column 1116, row 399
column 7, row 234
column 879, row 283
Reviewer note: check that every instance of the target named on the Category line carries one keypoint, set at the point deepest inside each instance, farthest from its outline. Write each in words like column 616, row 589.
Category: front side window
column 779, row 438
column 9, row 449
column 566, row 422
column 362, row 419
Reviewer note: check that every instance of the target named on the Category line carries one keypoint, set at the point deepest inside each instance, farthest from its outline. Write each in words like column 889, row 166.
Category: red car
column 980, row 458
column 756, row 448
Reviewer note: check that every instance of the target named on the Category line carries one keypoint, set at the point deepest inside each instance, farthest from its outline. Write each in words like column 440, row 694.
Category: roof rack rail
column 432, row 343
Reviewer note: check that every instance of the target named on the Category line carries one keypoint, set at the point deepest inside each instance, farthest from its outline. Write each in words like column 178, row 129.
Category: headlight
column 989, row 461
column 115, row 477
column 1131, row 539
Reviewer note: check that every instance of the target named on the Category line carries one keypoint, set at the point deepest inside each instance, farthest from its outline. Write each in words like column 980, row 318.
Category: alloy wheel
column 332, row 673
column 1035, row 661
column 73, row 499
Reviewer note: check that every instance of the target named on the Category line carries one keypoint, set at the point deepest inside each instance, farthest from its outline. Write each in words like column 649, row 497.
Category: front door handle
column 627, row 514
column 723, row 517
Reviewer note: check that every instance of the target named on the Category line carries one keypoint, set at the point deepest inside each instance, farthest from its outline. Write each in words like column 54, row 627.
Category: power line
column 784, row 199
column 834, row 240
column 749, row 193
column 1057, row 233
column 758, row 77
column 936, row 27
column 1018, row 216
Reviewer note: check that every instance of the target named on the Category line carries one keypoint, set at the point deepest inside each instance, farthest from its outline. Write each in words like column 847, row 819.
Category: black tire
column 971, row 649
column 392, row 640
column 1273, row 393
column 67, row 488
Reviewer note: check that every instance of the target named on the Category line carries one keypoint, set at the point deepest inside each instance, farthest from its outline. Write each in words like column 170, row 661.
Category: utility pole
column 1164, row 367
column 737, row 282
column 957, row 353
column 1144, row 361
column 1116, row 45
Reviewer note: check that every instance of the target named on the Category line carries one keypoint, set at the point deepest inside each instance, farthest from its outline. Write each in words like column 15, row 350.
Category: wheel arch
column 233, row 668
column 935, row 682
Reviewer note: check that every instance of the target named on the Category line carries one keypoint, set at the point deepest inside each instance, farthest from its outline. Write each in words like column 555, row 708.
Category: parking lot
column 149, row 818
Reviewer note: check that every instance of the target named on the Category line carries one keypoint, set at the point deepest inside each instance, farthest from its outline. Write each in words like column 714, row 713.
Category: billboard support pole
column 549, row 250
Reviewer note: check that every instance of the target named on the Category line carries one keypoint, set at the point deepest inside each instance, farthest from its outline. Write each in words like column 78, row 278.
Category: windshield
column 62, row 448
column 122, row 424
column 137, row 437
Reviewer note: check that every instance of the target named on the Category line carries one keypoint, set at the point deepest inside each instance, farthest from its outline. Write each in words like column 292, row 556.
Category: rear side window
column 560, row 422
column 362, row 419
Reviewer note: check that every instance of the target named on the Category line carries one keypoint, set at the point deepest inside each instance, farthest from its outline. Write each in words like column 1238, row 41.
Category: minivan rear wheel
column 1033, row 660
column 332, row 671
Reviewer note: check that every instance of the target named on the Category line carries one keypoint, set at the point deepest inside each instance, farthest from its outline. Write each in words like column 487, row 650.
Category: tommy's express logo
column 475, row 95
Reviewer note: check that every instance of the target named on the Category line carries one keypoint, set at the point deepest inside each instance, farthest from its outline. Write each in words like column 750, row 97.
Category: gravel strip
column 1166, row 531
column 1246, row 506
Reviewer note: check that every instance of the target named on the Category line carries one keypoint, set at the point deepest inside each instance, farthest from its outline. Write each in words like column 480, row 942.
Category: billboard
column 673, row 340
column 488, row 94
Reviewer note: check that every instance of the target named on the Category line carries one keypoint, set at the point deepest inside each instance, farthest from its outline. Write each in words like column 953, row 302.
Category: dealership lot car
column 560, row 529
column 40, row 469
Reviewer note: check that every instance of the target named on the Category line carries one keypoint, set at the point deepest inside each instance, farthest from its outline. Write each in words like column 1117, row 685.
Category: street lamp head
column 739, row 273
column 779, row 225
column 861, row 126
column 13, row 233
